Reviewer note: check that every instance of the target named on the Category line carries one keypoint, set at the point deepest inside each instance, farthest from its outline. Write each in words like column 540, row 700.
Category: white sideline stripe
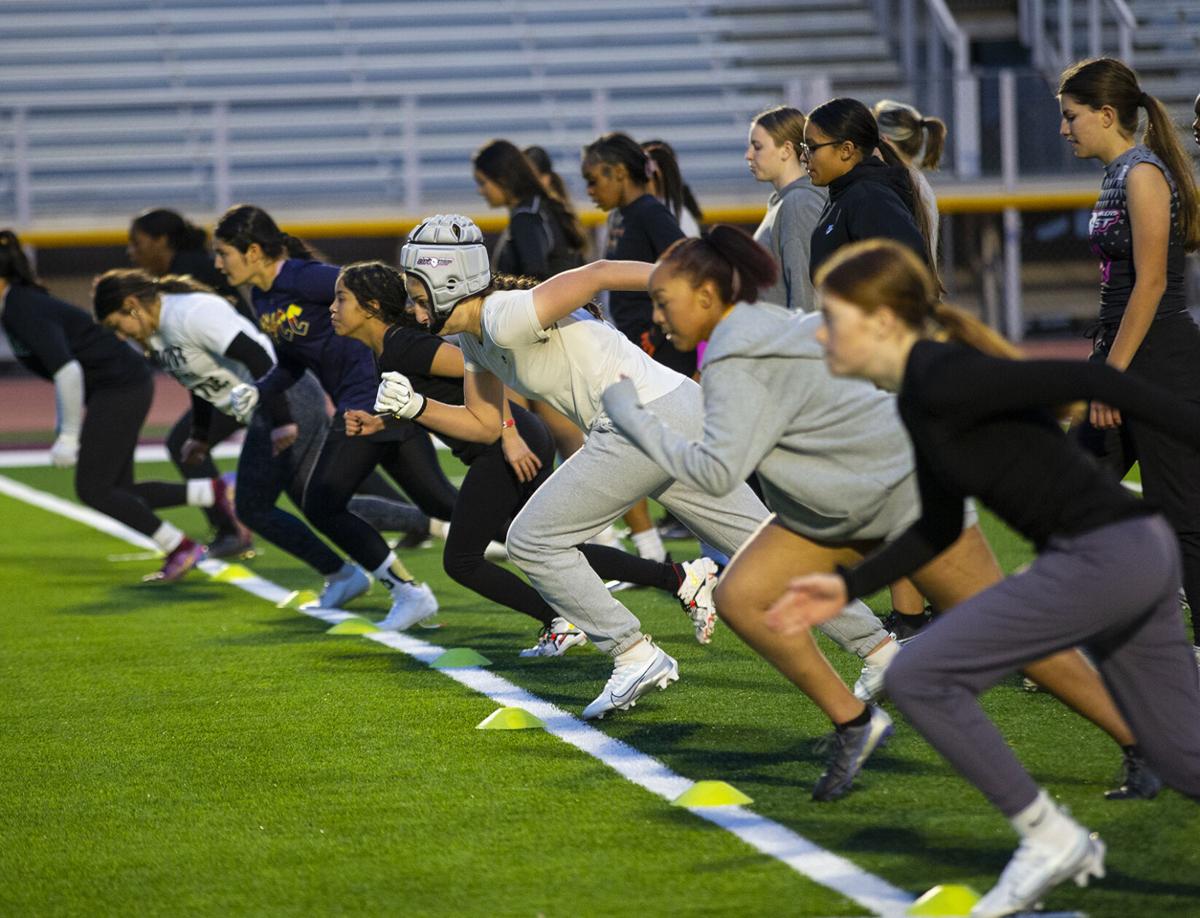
column 762, row 834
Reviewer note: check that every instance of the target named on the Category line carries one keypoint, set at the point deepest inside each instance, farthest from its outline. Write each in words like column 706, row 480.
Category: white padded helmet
column 447, row 253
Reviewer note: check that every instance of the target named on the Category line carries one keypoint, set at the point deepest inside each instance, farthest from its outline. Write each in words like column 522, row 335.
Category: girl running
column 1107, row 572
column 835, row 466
column 291, row 294
column 370, row 306
column 198, row 338
column 103, row 390
column 1145, row 222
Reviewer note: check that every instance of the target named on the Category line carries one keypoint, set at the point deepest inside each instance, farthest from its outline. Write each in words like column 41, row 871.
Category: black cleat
column 1138, row 780
column 906, row 627
column 851, row 747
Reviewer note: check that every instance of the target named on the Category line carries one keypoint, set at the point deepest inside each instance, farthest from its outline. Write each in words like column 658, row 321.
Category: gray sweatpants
column 1113, row 590
column 596, row 486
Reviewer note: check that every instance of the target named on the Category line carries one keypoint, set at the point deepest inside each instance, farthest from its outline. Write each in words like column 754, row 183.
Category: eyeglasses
column 806, row 149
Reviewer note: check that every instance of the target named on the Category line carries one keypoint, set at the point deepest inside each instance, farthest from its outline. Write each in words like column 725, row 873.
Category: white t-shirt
column 194, row 331
column 567, row 365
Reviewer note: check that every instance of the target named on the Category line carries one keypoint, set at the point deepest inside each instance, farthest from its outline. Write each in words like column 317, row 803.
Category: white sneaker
column 411, row 602
column 347, row 583
column 869, row 686
column 607, row 537
column 696, row 596
column 496, row 551
column 639, row 669
column 555, row 640
column 1035, row 869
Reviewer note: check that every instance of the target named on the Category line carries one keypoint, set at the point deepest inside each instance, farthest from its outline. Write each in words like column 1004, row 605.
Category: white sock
column 392, row 573
column 200, row 492
column 883, row 654
column 1044, row 823
column 649, row 544
column 642, row 650
column 167, row 537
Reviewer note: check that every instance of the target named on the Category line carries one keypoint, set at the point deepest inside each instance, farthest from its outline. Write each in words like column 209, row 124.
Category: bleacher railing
column 1051, row 30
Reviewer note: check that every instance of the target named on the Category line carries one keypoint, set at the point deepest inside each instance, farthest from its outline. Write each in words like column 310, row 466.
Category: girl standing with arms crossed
column 1106, row 575
column 1145, row 221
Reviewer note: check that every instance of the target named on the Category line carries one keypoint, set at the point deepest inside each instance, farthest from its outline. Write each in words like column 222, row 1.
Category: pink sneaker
column 185, row 556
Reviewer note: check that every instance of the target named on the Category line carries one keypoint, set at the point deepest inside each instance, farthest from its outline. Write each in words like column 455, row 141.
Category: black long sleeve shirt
column 981, row 427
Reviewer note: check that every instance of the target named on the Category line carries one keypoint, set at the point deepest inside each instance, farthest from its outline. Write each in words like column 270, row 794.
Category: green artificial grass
column 192, row 749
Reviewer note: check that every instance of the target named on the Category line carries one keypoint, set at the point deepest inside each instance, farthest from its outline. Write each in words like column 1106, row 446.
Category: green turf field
column 192, row 749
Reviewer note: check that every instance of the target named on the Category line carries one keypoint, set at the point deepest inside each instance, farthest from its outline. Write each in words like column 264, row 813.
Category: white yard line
column 764, row 835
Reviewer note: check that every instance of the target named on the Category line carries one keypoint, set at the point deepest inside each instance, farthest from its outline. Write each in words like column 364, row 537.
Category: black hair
column 244, row 225
column 114, row 286
column 379, row 289
column 505, row 164
column 675, row 191
column 540, row 160
column 181, row 235
column 14, row 265
column 849, row 120
column 617, row 149
column 727, row 256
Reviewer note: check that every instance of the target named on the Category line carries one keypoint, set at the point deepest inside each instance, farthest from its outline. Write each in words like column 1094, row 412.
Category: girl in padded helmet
column 545, row 344
column 371, row 306
column 291, row 293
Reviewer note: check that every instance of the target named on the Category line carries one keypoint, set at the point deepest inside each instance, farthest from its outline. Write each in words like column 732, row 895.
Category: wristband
column 505, row 424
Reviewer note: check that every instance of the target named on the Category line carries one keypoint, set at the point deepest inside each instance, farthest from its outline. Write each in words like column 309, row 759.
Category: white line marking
column 762, row 834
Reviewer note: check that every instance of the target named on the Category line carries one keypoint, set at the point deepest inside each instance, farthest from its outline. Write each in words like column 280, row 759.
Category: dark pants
column 408, row 456
column 1112, row 590
column 489, row 498
column 219, row 429
column 1169, row 357
column 104, row 473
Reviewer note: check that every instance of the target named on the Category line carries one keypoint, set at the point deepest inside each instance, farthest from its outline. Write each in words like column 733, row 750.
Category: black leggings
column 489, row 498
column 104, row 473
column 345, row 462
column 219, row 429
column 1169, row 357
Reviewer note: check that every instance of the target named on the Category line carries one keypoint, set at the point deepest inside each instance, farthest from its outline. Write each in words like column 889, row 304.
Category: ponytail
column 244, row 225
column 1161, row 138
column 113, row 287
column 14, row 265
column 954, row 324
column 911, row 132
column 919, row 213
column 727, row 256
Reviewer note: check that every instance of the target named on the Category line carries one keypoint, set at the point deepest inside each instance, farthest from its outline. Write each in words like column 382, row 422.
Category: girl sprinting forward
column 1107, row 572
column 197, row 337
column 291, row 294
column 542, row 344
column 835, row 465
column 370, row 305
column 103, row 390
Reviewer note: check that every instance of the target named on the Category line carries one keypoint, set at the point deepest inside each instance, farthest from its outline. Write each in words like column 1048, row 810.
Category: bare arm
column 562, row 294
column 479, row 420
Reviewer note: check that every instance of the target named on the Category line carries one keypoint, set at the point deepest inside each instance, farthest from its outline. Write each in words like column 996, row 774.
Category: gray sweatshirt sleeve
column 798, row 214
column 738, row 431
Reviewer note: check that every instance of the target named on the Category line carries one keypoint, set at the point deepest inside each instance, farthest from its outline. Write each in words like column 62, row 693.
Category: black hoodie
column 872, row 200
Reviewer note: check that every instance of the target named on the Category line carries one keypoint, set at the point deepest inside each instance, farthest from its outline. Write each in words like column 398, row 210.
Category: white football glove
column 243, row 400
column 65, row 451
column 397, row 397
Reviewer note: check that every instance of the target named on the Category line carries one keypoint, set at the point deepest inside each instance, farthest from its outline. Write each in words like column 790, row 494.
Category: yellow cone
column 510, row 719
column 353, row 625
column 460, row 658
column 233, row 572
column 945, row 901
column 297, row 599
column 711, row 793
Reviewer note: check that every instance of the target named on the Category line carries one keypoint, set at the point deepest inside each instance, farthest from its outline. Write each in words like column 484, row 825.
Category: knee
column 906, row 678
column 460, row 567
column 523, row 548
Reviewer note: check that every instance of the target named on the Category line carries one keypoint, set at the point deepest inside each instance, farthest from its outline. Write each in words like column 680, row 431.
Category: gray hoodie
column 831, row 454
column 786, row 232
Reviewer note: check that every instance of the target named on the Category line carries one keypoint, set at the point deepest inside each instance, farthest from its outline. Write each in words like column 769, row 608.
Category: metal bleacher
column 376, row 105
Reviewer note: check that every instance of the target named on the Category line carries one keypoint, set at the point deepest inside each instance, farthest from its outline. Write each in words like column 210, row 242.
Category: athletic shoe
column 673, row 529
column 851, row 748
column 639, row 669
column 906, row 627
column 238, row 545
column 186, row 555
column 1138, row 780
column 555, row 639
column 1035, row 869
column 348, row 582
column 869, row 686
column 696, row 596
column 496, row 551
column 416, row 538
column 411, row 602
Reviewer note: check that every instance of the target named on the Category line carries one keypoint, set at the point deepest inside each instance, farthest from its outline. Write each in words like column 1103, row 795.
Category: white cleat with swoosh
column 639, row 669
